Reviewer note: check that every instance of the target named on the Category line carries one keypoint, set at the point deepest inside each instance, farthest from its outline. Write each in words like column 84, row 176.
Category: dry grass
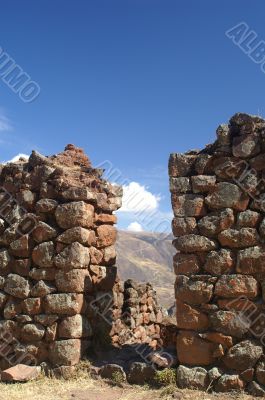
column 43, row 389
column 84, row 388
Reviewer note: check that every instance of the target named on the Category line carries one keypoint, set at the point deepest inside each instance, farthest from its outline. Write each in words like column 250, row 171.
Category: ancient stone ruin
column 218, row 199
column 57, row 252
column 60, row 295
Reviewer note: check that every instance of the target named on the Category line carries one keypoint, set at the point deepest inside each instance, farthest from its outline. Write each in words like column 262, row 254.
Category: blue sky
column 129, row 81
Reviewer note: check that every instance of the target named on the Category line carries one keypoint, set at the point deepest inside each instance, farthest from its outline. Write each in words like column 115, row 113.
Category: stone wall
column 137, row 317
column 219, row 223
column 60, row 294
column 57, row 253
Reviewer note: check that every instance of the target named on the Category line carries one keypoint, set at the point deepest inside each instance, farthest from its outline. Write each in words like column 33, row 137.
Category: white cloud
column 135, row 227
column 17, row 157
column 136, row 198
column 5, row 124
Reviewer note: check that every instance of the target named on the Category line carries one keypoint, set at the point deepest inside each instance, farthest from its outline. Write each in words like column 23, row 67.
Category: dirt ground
column 88, row 389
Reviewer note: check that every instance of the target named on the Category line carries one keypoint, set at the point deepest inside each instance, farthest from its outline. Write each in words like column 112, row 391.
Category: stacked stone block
column 219, row 217
column 57, row 252
column 137, row 315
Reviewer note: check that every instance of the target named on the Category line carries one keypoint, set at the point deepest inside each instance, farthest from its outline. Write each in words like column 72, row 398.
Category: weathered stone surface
column 23, row 319
column 79, row 193
column 51, row 333
column 227, row 195
column 262, row 229
column 258, row 203
column 233, row 238
column 192, row 378
column 21, row 267
column 46, row 205
column 214, row 374
column 246, row 146
column 32, row 306
column 140, row 373
column 112, row 204
column 241, row 123
column 43, row 254
column 203, row 183
column 162, row 359
column 84, row 236
column 17, row 286
column 236, row 285
column 256, row 390
column 190, row 318
column 20, row 247
column 251, row 260
column 32, row 333
column 247, row 375
column 184, row 226
column 258, row 162
column 181, row 164
column 103, row 278
column 43, row 233
column 2, row 282
column 248, row 219
column 42, row 274
column 10, row 327
column 106, row 235
column 179, row 185
column 192, row 350
column 230, row 323
column 229, row 383
column 65, row 352
column 228, row 167
column 74, row 214
column 219, row 262
column 108, row 371
column 193, row 243
column 186, row 264
column 74, row 327
column 188, row 205
column 65, row 372
column 3, row 299
column 260, row 372
column 216, row 337
column 203, row 164
column 216, row 222
column 2, row 225
column 73, row 256
column 20, row 373
column 238, row 304
column 13, row 307
column 46, row 319
column 5, row 260
column 105, row 218
column 223, row 135
column 193, row 291
column 42, row 288
column 243, row 355
column 96, row 255
column 63, row 303
column 72, row 156
column 109, row 255
column 75, row 281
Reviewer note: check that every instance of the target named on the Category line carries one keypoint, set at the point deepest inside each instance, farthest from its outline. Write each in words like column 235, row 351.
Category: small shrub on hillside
column 118, row 378
column 82, row 369
column 166, row 377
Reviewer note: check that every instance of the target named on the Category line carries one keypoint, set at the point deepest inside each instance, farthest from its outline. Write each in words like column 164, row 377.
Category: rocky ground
column 87, row 389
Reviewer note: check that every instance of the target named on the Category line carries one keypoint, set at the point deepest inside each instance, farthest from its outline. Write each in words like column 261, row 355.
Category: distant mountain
column 147, row 257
